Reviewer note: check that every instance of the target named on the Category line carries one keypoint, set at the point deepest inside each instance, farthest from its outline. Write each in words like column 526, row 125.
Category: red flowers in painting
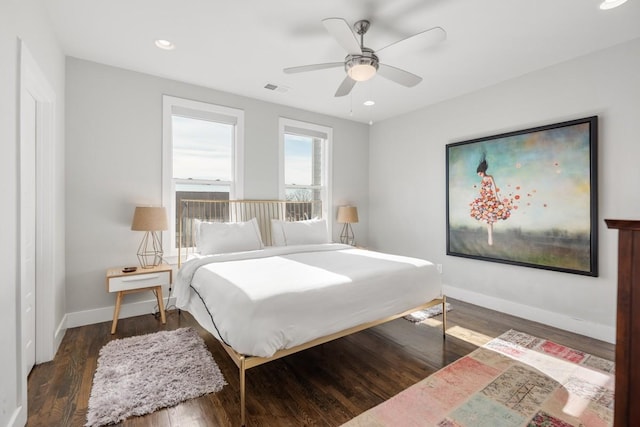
column 488, row 208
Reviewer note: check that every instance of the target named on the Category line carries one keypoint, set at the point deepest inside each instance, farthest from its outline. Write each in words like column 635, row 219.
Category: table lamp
column 347, row 215
column 150, row 220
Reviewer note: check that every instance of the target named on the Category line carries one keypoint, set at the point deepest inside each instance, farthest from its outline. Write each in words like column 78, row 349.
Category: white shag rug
column 419, row 316
column 141, row 374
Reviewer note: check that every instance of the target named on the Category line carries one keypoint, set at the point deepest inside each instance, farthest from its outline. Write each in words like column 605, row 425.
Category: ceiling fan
column 362, row 63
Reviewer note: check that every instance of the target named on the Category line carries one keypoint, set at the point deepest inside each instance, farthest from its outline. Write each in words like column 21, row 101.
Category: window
column 305, row 163
column 202, row 155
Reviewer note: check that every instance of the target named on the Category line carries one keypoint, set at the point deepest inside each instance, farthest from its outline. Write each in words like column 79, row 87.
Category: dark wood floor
column 323, row 386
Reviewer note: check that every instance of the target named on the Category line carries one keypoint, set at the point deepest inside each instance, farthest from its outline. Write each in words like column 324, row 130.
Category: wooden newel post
column 627, row 394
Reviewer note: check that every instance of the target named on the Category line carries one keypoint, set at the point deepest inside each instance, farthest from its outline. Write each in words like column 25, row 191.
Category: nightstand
column 143, row 279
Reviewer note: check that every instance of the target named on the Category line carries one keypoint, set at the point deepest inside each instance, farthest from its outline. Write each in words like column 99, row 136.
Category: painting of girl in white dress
column 526, row 197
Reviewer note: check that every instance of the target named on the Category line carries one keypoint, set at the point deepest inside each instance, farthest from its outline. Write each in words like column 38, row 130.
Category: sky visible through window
column 202, row 149
column 298, row 160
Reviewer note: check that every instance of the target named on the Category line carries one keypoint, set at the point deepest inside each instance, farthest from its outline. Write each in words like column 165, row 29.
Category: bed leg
column 242, row 391
column 444, row 317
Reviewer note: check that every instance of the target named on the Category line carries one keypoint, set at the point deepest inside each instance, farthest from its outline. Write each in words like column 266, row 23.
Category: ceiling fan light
column 362, row 72
column 610, row 4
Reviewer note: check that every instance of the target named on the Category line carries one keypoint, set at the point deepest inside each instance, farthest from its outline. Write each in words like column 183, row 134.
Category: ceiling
column 239, row 46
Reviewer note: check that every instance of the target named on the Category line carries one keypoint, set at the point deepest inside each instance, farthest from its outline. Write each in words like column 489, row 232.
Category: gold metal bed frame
column 264, row 211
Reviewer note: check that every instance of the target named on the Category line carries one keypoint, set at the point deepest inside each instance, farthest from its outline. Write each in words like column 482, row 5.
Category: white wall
column 25, row 20
column 407, row 174
column 113, row 158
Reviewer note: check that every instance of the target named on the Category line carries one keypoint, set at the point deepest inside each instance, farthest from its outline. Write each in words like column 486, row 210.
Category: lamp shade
column 347, row 215
column 147, row 218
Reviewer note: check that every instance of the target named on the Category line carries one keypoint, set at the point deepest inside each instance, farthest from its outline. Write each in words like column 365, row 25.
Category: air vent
column 277, row 88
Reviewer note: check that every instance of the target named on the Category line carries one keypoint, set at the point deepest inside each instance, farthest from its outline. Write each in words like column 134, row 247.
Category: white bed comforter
column 263, row 301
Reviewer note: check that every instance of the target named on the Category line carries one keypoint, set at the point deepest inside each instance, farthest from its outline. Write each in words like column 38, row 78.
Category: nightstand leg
column 161, row 304
column 116, row 313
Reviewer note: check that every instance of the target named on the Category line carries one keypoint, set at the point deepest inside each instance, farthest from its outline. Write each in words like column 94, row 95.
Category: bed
column 266, row 301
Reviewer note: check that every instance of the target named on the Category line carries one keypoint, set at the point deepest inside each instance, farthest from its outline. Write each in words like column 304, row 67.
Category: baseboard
column 557, row 320
column 59, row 334
column 19, row 417
column 104, row 314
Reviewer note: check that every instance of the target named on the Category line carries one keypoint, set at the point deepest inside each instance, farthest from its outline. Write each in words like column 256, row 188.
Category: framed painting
column 527, row 197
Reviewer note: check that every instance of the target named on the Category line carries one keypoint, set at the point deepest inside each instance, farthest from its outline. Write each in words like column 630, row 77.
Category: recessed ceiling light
column 165, row 44
column 610, row 4
column 369, row 103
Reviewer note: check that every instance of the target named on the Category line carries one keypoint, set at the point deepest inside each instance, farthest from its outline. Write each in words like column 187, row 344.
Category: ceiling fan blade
column 399, row 76
column 345, row 87
column 415, row 42
column 343, row 34
column 313, row 67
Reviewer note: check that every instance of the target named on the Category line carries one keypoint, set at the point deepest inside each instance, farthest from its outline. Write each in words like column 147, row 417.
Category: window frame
column 291, row 126
column 205, row 111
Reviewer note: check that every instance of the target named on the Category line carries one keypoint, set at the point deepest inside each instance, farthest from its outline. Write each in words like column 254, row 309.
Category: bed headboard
column 239, row 210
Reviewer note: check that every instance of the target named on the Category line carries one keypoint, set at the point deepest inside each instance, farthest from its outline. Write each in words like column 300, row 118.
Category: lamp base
column 150, row 250
column 346, row 236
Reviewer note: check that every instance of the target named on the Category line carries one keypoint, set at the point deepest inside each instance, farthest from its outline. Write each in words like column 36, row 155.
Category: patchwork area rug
column 513, row 380
column 419, row 316
column 139, row 375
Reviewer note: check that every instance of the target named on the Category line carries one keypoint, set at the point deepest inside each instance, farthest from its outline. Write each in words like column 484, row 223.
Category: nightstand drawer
column 137, row 281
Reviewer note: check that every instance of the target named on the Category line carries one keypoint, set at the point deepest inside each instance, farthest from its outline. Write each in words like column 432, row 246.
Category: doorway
column 28, row 140
column 35, row 191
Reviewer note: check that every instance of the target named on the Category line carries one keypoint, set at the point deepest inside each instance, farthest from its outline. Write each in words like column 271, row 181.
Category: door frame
column 33, row 80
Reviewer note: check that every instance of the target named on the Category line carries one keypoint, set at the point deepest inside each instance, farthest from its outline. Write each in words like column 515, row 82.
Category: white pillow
column 277, row 233
column 312, row 231
column 223, row 237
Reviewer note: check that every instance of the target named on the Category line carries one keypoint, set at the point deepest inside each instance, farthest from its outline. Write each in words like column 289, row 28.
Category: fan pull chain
column 351, row 103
